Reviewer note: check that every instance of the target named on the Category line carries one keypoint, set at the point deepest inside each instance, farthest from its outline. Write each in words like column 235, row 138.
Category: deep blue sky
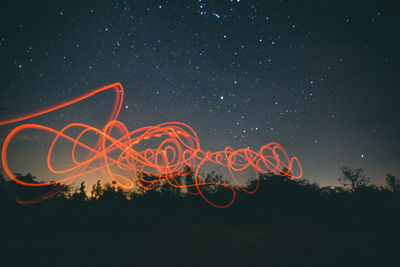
column 319, row 77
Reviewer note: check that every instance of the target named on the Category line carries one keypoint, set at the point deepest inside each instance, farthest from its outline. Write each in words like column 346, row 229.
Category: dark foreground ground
column 101, row 235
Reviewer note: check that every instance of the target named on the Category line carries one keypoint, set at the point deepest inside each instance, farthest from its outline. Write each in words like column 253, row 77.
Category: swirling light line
column 178, row 152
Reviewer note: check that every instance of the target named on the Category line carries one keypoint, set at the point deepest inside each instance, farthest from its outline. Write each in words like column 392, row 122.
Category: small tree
column 80, row 194
column 120, row 194
column 213, row 178
column 353, row 177
column 393, row 182
column 111, row 192
column 188, row 180
column 97, row 191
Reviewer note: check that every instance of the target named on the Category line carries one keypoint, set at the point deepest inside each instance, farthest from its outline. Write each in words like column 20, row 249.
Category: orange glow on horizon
column 178, row 148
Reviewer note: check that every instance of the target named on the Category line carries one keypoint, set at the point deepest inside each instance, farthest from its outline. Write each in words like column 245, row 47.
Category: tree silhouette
column 80, row 194
column 393, row 182
column 5, row 192
column 212, row 178
column 112, row 193
column 97, row 191
column 353, row 177
column 188, row 179
column 119, row 194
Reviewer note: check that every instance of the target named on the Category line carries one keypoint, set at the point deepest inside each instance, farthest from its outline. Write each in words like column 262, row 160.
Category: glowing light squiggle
column 178, row 151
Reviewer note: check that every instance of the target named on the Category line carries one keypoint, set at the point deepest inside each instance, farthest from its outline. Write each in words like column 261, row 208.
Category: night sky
column 318, row 77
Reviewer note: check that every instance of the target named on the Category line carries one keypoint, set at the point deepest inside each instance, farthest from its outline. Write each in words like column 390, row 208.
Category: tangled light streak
column 177, row 152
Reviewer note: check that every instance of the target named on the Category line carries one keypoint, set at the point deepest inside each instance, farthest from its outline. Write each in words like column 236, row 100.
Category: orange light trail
column 178, row 148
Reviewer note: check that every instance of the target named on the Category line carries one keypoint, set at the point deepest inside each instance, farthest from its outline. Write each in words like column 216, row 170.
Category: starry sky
column 319, row 77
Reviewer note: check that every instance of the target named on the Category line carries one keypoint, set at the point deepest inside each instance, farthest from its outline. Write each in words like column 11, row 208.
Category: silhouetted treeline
column 277, row 195
column 285, row 223
column 275, row 192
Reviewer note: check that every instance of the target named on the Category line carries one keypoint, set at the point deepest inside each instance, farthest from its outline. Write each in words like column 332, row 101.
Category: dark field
column 131, row 235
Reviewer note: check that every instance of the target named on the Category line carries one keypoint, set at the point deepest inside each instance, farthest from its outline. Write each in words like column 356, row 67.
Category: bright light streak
column 178, row 148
